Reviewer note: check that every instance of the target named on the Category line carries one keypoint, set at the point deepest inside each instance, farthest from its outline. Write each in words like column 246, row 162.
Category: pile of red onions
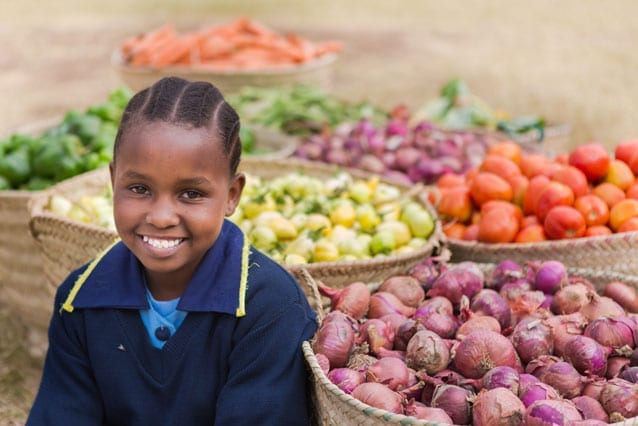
column 398, row 150
column 464, row 346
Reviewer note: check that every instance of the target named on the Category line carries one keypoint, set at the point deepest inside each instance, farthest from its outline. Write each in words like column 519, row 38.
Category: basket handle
column 315, row 296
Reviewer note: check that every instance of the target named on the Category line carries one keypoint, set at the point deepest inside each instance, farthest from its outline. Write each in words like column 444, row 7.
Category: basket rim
column 117, row 61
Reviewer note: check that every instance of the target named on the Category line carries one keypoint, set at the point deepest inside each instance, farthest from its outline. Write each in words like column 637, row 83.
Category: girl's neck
column 166, row 286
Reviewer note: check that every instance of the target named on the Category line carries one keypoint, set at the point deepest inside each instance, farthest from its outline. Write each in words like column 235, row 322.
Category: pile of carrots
column 240, row 44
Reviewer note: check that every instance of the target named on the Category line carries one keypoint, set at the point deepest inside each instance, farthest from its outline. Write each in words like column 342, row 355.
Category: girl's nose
column 162, row 214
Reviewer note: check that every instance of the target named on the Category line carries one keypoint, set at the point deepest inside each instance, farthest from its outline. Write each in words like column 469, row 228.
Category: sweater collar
column 115, row 279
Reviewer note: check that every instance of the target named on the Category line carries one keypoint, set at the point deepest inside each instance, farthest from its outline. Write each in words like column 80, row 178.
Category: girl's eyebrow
column 195, row 180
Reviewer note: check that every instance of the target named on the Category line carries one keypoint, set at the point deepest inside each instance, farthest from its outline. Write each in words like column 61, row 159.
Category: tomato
column 562, row 158
column 498, row 226
column 533, row 164
column 621, row 212
column 597, row 230
column 593, row 208
column 529, row 220
column 620, row 175
column 520, row 184
column 508, row 149
column 502, row 205
column 450, row 180
column 488, row 186
column 564, row 222
column 471, row 233
column 531, row 234
column 554, row 194
column 534, row 190
column 454, row 230
column 627, row 151
column 572, row 177
column 470, row 175
column 609, row 192
column 592, row 159
column 629, row 225
column 455, row 203
column 632, row 191
column 500, row 166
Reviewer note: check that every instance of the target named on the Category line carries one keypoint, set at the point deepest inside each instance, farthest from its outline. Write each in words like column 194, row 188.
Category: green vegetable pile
column 82, row 141
column 299, row 109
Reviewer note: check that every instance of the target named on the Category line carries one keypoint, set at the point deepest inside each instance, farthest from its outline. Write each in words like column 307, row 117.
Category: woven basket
column 616, row 252
column 333, row 407
column 318, row 72
column 68, row 244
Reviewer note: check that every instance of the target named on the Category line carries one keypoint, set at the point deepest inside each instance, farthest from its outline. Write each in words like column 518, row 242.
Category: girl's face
column 171, row 191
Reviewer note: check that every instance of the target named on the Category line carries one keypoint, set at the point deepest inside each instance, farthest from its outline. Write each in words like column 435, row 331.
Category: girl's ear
column 112, row 172
column 234, row 193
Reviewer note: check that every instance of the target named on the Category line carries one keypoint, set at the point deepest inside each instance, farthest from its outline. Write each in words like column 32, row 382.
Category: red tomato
column 534, row 190
column 629, row 225
column 531, row 234
column 564, row 222
column 572, row 177
column 454, row 230
column 627, row 151
column 593, row 208
column 597, row 230
column 500, row 166
column 455, row 203
column 554, row 194
column 498, row 226
column 488, row 186
column 507, row 149
column 609, row 192
column 632, row 191
column 592, row 159
column 621, row 212
column 533, row 164
column 471, row 232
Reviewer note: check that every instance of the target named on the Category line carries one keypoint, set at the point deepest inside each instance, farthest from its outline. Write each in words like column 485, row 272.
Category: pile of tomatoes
column 514, row 196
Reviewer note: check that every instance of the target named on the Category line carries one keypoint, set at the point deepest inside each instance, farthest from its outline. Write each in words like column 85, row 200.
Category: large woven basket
column 616, row 252
column 333, row 407
column 67, row 244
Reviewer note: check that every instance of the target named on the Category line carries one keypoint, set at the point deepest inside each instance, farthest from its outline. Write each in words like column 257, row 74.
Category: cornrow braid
column 177, row 101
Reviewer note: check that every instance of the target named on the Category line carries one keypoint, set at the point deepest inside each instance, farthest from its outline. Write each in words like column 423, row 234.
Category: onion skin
column 391, row 372
column 335, row 338
column 383, row 303
column 497, row 407
column 537, row 392
column 594, row 388
column 405, row 332
column 346, row 379
column 360, row 362
column 570, row 299
column 427, row 351
column 601, row 306
column 353, row 300
column 563, row 377
column 612, row 332
column 463, row 279
column 615, row 366
column 477, row 322
column 425, row 272
column 532, row 338
column 526, row 379
column 483, row 350
column 433, row 304
column 590, row 408
column 455, row 401
column 552, row 412
column 550, row 276
column 490, row 303
column 379, row 396
column 564, row 327
column 406, row 288
column 620, row 396
column 377, row 333
column 630, row 374
column 442, row 323
column 324, row 362
column 623, row 294
column 423, row 412
column 502, row 377
column 586, row 355
column 504, row 272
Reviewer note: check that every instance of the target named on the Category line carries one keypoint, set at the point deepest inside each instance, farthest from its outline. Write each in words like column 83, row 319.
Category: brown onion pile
column 521, row 344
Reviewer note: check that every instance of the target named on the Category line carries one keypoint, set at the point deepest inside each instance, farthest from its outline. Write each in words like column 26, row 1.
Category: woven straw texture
column 333, row 407
column 67, row 244
column 616, row 252
column 319, row 72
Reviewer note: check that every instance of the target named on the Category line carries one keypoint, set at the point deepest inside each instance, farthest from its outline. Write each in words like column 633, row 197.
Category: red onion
column 590, row 408
column 511, row 290
column 489, row 302
column 586, row 355
column 335, row 338
column 538, row 365
column 594, row 387
column 371, row 163
column 455, row 401
column 550, row 276
column 425, row 271
column 465, row 278
column 360, row 362
column 377, row 333
column 613, row 332
column 379, row 396
column 630, row 374
column 483, row 350
column 497, row 407
column 414, row 388
column 423, row 412
column 526, row 303
column 505, row 271
column 616, row 365
column 324, row 362
column 588, row 422
column 601, row 306
column 394, row 321
column 442, row 323
column 633, row 359
column 620, row 397
column 389, row 353
column 346, row 379
column 502, row 377
column 552, row 412
column 477, row 322
column 623, row 294
column 537, row 392
column 526, row 379
column 391, row 372
column 406, row 288
column 427, row 351
column 405, row 332
column 564, row 327
column 352, row 300
column 570, row 299
column 563, row 377
column 434, row 304
column 384, row 303
column 532, row 338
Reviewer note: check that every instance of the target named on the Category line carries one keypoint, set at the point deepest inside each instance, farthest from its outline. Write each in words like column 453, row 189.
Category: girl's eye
column 138, row 189
column 192, row 194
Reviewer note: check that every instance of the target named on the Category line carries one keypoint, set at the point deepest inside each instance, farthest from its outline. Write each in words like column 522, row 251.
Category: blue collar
column 115, row 279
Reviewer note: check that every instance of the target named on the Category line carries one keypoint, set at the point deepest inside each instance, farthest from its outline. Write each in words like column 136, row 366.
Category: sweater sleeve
column 68, row 394
column 267, row 379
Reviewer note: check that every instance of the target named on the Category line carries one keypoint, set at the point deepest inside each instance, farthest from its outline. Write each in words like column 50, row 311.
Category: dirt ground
column 572, row 61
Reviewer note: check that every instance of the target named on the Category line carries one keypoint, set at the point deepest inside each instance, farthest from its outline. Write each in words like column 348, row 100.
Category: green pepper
column 37, row 183
column 120, row 97
column 15, row 167
column 106, row 112
column 95, row 160
column 85, row 126
column 4, row 183
column 60, row 157
column 105, row 138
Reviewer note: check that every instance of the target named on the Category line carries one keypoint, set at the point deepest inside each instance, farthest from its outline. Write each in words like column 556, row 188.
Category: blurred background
column 572, row 62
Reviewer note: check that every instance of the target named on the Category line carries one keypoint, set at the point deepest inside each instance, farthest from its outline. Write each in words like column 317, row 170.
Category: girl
column 181, row 322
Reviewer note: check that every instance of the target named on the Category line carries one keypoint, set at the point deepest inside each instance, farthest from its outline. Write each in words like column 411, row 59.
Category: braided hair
column 178, row 101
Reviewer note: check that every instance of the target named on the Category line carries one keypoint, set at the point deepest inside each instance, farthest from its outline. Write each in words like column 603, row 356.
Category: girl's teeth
column 161, row 243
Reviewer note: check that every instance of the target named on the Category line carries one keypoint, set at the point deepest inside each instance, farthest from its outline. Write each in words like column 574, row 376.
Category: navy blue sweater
column 236, row 359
